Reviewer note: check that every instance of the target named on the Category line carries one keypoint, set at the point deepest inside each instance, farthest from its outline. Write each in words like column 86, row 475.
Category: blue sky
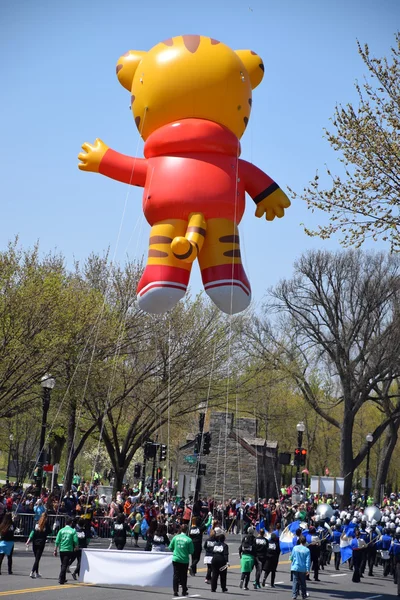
column 59, row 89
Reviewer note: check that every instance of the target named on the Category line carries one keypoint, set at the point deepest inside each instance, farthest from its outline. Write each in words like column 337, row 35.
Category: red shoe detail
column 163, row 276
column 223, row 275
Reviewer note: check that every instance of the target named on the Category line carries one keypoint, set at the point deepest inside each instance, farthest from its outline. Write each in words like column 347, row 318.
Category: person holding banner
column 208, row 547
column 182, row 547
column 67, row 541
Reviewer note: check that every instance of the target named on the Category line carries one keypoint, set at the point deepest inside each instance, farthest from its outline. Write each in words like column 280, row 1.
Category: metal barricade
column 24, row 523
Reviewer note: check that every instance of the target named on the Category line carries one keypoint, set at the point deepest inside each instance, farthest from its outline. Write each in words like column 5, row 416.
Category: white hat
column 218, row 531
column 250, row 530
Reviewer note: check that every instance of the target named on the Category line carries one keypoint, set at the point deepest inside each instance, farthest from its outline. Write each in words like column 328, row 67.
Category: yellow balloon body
column 190, row 76
column 191, row 99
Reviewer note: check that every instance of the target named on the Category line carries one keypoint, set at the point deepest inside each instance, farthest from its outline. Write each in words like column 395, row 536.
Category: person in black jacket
column 160, row 540
column 38, row 537
column 208, row 547
column 118, row 532
column 196, row 535
column 261, row 554
column 81, row 532
column 219, row 563
column 271, row 559
column 7, row 540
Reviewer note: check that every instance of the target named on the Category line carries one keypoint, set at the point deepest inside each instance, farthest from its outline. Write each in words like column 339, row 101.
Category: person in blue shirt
column 372, row 548
column 301, row 564
column 364, row 535
column 395, row 553
column 384, row 545
column 337, row 532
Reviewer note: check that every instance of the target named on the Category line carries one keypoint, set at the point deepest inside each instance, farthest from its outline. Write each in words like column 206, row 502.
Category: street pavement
column 334, row 584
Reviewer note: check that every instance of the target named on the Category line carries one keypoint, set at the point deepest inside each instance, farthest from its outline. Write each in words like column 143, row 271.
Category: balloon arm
column 265, row 192
column 126, row 169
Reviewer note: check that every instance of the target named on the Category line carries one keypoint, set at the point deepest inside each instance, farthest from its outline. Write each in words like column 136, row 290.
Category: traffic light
column 137, row 471
column 159, row 473
column 300, row 457
column 207, row 443
column 150, row 449
column 163, row 452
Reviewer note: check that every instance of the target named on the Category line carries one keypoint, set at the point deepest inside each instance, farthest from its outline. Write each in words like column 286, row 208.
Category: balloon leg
column 165, row 278
column 187, row 248
column 223, row 275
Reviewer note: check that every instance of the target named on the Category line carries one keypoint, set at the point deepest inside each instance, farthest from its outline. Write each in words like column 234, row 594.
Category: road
column 334, row 584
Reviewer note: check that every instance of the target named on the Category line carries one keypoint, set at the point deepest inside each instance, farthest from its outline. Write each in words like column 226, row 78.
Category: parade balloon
column 324, row 511
column 191, row 98
column 373, row 512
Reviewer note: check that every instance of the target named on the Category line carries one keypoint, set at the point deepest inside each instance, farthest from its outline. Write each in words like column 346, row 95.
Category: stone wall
column 232, row 466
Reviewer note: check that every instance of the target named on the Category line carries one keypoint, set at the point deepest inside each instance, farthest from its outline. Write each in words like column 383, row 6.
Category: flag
column 346, row 550
column 286, row 540
column 144, row 527
column 293, row 526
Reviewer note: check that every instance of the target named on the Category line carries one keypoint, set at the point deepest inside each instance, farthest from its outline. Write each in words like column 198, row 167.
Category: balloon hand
column 93, row 155
column 273, row 205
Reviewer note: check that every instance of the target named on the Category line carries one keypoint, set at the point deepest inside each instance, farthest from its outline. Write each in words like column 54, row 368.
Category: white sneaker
column 32, row 574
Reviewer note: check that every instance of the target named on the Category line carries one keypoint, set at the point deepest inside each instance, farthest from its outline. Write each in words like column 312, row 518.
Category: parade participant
column 372, row 547
column 208, row 547
column 160, row 539
column 271, row 559
column 38, row 537
column 196, row 535
column 357, row 545
column 67, row 541
column 7, row 541
column 219, row 563
column 384, row 545
column 119, row 529
column 337, row 532
column 182, row 547
column 247, row 552
column 261, row 554
column 364, row 535
column 83, row 543
column 301, row 563
column 395, row 553
column 313, row 543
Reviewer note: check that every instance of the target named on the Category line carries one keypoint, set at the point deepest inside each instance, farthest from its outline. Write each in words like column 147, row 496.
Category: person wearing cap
column 247, row 553
column 182, row 547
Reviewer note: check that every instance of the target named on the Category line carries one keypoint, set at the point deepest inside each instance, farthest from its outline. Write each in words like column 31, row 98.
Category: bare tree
column 338, row 317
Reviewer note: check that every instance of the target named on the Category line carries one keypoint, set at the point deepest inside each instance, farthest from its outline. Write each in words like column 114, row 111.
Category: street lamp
column 11, row 438
column 47, row 382
column 369, row 439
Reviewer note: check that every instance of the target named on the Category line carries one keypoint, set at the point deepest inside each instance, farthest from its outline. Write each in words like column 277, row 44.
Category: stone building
column 239, row 464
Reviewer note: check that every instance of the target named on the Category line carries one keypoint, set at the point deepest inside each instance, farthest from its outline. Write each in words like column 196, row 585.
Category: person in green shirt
column 182, row 547
column 67, row 541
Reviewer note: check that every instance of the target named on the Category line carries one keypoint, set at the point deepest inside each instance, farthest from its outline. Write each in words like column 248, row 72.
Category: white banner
column 126, row 567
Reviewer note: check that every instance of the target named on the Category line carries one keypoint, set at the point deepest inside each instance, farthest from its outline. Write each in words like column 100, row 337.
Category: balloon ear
column 126, row 67
column 254, row 66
